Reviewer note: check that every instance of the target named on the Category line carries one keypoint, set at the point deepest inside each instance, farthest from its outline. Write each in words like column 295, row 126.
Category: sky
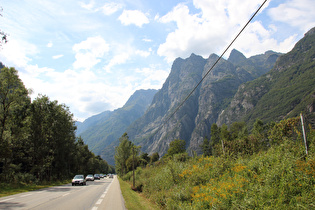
column 92, row 55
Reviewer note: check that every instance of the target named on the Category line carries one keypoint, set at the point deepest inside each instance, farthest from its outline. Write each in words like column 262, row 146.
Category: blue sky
column 92, row 55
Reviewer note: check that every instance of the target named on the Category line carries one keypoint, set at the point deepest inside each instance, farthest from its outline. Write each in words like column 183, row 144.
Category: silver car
column 78, row 180
column 89, row 177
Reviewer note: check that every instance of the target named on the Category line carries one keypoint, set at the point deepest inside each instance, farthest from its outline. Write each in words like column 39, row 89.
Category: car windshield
column 78, row 177
column 89, row 175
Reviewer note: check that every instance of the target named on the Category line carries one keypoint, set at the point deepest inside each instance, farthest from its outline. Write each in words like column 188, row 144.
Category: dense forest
column 267, row 167
column 37, row 138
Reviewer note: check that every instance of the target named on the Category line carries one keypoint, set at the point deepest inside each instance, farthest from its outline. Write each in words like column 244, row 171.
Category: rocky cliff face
column 154, row 130
column 269, row 86
column 285, row 91
column 148, row 130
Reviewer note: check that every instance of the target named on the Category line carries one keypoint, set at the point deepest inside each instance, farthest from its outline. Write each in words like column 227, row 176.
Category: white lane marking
column 26, row 195
column 99, row 201
column 66, row 194
column 101, row 198
column 6, row 200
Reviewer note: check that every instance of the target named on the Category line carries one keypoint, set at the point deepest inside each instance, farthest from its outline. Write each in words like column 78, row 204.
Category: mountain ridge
column 219, row 97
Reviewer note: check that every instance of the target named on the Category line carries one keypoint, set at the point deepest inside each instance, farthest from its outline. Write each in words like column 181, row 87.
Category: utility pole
column 133, row 166
column 304, row 136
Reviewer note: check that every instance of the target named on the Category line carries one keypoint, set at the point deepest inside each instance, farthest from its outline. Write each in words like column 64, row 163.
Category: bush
column 260, row 178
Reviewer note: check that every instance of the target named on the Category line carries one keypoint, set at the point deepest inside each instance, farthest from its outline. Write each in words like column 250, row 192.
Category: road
column 96, row 195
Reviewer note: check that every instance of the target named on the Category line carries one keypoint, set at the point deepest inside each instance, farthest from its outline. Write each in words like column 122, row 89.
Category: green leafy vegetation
column 266, row 168
column 287, row 89
column 37, row 139
column 133, row 200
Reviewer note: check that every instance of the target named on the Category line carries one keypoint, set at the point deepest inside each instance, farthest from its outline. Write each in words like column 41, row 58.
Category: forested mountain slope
column 285, row 91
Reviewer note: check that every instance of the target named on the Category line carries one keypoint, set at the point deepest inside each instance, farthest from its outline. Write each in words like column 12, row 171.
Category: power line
column 181, row 104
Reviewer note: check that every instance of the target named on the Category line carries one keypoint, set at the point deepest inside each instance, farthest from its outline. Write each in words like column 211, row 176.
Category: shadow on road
column 58, row 189
column 10, row 205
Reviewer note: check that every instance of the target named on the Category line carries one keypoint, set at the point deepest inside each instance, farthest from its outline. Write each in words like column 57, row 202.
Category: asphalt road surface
column 96, row 195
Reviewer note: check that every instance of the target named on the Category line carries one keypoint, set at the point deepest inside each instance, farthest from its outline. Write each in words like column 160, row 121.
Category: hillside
column 269, row 86
column 101, row 130
column 283, row 92
column 193, row 121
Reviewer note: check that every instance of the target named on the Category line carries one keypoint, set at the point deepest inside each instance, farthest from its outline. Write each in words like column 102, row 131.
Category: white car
column 78, row 180
column 89, row 177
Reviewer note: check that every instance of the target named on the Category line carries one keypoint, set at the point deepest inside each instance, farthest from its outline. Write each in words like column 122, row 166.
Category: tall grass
column 278, row 178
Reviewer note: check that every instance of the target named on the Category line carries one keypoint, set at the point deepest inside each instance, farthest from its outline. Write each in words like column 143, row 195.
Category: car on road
column 110, row 176
column 78, row 180
column 97, row 176
column 89, row 177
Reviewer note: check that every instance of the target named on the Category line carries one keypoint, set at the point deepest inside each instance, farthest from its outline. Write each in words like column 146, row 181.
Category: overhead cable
column 181, row 104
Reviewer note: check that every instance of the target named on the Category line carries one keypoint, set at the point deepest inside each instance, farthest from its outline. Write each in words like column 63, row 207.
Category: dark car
column 110, row 176
column 97, row 176
column 78, row 180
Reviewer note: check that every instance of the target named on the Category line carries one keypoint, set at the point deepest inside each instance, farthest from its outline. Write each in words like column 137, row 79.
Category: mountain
column 101, row 130
column 194, row 118
column 285, row 91
column 269, row 86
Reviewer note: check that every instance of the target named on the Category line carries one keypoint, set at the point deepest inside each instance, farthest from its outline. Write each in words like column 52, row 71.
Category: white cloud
column 57, row 56
column 147, row 40
column 89, row 52
column 211, row 30
column 136, row 17
column 256, row 39
column 153, row 77
column 192, row 34
column 111, row 8
column 118, row 59
column 88, row 6
column 71, row 88
column 17, row 53
column 68, row 30
column 85, row 92
column 297, row 13
column 143, row 53
column 50, row 44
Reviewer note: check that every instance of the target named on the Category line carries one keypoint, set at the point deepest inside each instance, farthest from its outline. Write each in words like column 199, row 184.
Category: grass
column 280, row 177
column 134, row 200
column 7, row 189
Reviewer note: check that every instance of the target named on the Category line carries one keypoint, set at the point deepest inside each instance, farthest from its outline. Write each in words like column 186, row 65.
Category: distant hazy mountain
column 101, row 130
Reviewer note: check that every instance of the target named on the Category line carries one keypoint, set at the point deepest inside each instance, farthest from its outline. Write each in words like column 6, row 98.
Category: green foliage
column 276, row 175
column 37, row 139
column 206, row 147
column 122, row 153
column 287, row 90
column 154, row 157
column 177, row 146
column 14, row 102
